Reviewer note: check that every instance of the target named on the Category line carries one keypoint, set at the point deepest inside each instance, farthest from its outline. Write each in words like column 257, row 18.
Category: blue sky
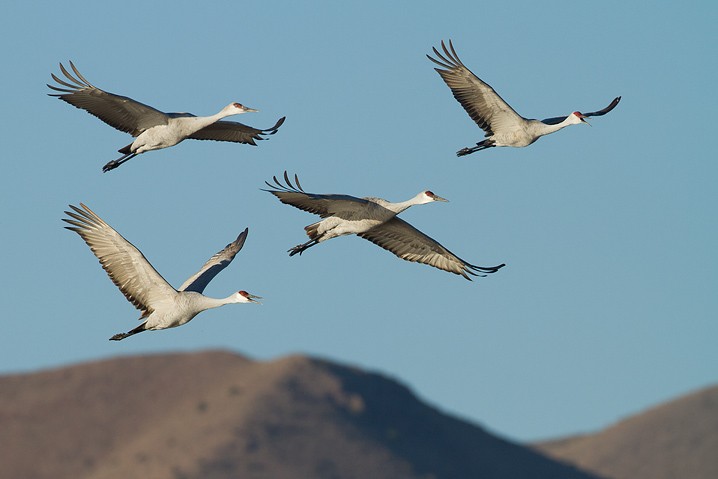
column 607, row 305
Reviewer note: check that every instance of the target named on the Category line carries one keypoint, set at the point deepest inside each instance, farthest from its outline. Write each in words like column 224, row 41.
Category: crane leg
column 121, row 336
column 301, row 247
column 115, row 163
column 479, row 146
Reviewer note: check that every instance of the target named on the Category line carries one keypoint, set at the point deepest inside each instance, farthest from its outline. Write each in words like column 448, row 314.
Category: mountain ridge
column 216, row 414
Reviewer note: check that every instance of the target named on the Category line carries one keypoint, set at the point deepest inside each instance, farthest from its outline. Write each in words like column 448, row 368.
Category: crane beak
column 249, row 297
column 583, row 119
column 249, row 110
column 439, row 198
column 252, row 298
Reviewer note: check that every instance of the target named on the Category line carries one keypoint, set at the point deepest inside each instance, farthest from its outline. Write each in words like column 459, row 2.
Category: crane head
column 432, row 197
column 245, row 297
column 580, row 118
column 242, row 108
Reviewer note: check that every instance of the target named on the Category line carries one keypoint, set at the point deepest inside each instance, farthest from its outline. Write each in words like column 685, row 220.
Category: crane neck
column 210, row 303
column 545, row 129
column 199, row 122
column 404, row 205
column 208, row 120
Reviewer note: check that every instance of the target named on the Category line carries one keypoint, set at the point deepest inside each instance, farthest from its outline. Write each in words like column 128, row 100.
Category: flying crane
column 501, row 124
column 153, row 129
column 161, row 305
column 374, row 219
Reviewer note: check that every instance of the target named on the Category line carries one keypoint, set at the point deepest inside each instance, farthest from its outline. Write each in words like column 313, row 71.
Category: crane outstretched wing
column 322, row 205
column 407, row 242
column 126, row 266
column 558, row 119
column 118, row 111
column 198, row 281
column 480, row 101
column 235, row 132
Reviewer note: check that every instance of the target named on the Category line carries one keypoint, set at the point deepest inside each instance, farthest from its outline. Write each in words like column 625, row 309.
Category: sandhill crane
column 161, row 305
column 502, row 125
column 152, row 128
column 373, row 219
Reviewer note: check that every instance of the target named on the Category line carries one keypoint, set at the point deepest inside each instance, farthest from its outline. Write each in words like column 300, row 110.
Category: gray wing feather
column 558, row 119
column 126, row 266
column 198, row 281
column 322, row 205
column 235, row 132
column 410, row 244
column 554, row 121
column 480, row 101
column 120, row 112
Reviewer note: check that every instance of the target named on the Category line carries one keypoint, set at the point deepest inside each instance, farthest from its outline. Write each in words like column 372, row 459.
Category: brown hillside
column 218, row 415
column 676, row 440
